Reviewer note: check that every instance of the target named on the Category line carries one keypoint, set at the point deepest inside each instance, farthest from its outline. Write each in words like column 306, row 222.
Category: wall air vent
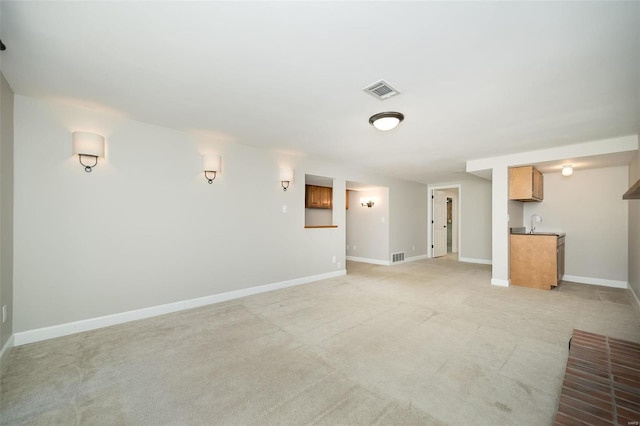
column 381, row 90
column 397, row 257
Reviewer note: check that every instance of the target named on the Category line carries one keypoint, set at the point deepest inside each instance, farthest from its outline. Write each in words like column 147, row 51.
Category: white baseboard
column 385, row 262
column 501, row 283
column 372, row 261
column 36, row 335
column 6, row 348
column 596, row 281
column 472, row 260
column 414, row 258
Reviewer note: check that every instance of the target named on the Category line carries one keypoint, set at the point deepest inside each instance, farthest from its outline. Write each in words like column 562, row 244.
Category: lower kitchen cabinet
column 536, row 260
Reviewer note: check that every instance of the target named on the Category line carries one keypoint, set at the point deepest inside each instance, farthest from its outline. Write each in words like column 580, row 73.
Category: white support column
column 500, row 226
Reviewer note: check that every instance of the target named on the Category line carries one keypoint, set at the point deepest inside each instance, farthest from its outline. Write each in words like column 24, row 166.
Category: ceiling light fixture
column 386, row 120
column 567, row 170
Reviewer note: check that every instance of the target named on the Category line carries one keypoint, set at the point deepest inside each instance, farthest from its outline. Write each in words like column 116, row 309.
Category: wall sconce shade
column 386, row 120
column 567, row 170
column 286, row 177
column 367, row 202
column 88, row 146
column 210, row 164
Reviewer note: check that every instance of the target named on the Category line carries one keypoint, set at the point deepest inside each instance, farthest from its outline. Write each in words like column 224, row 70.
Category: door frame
column 456, row 218
column 455, row 224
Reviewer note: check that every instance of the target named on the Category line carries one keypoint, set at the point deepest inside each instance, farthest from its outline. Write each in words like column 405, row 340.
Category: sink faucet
column 534, row 218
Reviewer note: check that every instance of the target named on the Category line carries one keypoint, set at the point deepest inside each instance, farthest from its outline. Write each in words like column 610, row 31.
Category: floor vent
column 381, row 90
column 397, row 257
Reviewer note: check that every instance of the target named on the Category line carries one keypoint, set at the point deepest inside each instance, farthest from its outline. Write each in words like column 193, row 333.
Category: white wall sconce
column 210, row 166
column 286, row 177
column 367, row 202
column 386, row 120
column 88, row 146
column 567, row 170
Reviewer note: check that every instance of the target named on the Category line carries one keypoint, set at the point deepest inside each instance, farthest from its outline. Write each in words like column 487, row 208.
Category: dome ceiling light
column 567, row 170
column 386, row 120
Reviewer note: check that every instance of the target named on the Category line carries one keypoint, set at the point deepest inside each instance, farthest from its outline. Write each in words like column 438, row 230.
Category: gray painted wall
column 145, row 229
column 407, row 213
column 368, row 227
column 318, row 217
column 516, row 214
column 634, row 228
column 475, row 230
column 6, row 208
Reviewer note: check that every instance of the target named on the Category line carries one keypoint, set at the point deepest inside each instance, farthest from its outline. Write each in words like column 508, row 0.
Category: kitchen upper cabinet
column 318, row 197
column 526, row 183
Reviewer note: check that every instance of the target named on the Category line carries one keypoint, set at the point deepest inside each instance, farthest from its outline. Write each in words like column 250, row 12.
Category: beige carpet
column 427, row 342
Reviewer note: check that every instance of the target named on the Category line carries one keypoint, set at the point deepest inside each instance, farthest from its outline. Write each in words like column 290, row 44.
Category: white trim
column 60, row 330
column 472, row 260
column 501, row 283
column 414, row 258
column 385, row 262
column 8, row 345
column 635, row 296
column 372, row 261
column 596, row 281
column 586, row 149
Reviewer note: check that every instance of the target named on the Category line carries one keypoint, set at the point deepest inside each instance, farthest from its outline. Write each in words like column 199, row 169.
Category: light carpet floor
column 426, row 342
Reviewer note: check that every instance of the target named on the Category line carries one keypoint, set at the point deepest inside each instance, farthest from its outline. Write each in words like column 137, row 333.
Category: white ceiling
column 478, row 79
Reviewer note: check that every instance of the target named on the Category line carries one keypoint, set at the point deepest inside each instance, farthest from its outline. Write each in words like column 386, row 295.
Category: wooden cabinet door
column 311, row 198
column 520, row 183
column 560, row 258
column 538, row 185
column 533, row 260
column 318, row 197
column 326, row 197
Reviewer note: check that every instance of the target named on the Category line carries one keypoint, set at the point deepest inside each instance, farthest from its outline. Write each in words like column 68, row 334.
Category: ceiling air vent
column 381, row 90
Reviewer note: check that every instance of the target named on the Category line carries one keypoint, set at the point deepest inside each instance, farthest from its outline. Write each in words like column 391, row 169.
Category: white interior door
column 439, row 223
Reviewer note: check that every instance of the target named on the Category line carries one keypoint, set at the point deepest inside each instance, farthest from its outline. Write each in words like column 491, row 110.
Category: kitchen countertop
column 521, row 231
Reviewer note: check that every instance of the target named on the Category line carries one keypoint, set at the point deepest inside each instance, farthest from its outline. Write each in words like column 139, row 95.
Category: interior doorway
column 450, row 225
column 444, row 233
